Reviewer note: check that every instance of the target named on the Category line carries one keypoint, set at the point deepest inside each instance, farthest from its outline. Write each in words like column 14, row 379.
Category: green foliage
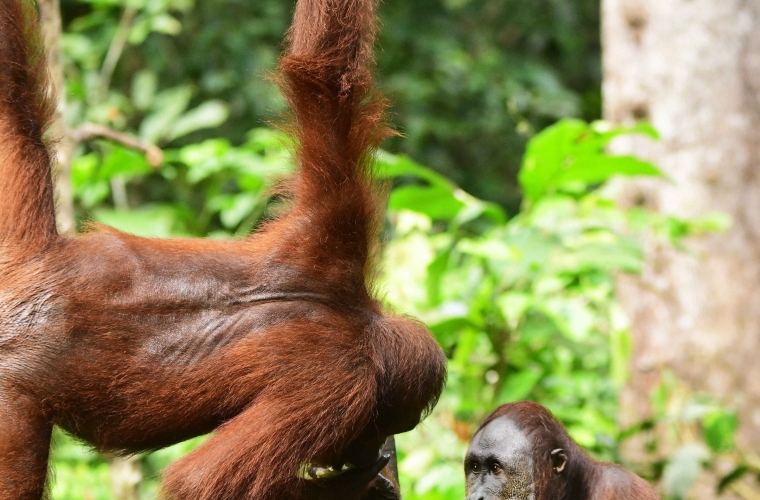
column 706, row 435
column 470, row 80
column 523, row 304
column 79, row 472
column 682, row 470
column 209, row 188
column 569, row 156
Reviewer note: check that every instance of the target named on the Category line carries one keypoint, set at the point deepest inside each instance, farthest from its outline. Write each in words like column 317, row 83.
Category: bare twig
column 114, row 53
column 90, row 131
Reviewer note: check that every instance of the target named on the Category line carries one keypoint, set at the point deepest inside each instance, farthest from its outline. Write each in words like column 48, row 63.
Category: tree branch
column 90, row 131
column 114, row 53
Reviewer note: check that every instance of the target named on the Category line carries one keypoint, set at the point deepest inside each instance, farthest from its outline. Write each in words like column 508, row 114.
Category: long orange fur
column 274, row 343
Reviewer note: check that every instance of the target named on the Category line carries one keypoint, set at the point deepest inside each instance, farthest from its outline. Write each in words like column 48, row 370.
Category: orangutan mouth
column 310, row 471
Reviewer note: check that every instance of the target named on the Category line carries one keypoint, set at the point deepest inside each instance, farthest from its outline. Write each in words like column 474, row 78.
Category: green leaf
column 514, row 306
column 489, row 248
column 389, row 166
column 169, row 106
column 582, row 435
column 204, row 159
column 446, row 331
column 468, row 341
column 595, row 169
column 592, row 256
column 166, row 24
column 604, row 132
column 266, row 140
column 120, row 161
column 436, row 202
column 712, row 222
column 435, row 273
column 682, row 470
column 160, row 221
column 608, row 131
column 233, row 209
column 546, row 155
column 719, row 430
column 140, row 30
column 474, row 208
column 144, row 86
column 518, row 386
column 93, row 194
column 84, row 169
column 572, row 315
column 643, row 426
column 732, row 477
column 210, row 114
column 621, row 346
column 570, row 156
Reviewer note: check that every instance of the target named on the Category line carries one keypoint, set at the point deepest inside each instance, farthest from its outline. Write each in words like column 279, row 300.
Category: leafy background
column 506, row 242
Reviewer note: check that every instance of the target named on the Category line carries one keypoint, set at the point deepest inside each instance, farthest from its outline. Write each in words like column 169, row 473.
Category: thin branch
column 114, row 53
column 90, row 131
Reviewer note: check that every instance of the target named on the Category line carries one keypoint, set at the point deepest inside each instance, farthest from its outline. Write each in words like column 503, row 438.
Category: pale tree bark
column 126, row 476
column 50, row 14
column 692, row 68
column 125, row 471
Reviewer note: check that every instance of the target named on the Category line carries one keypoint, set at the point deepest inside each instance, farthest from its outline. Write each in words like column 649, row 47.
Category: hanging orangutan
column 273, row 343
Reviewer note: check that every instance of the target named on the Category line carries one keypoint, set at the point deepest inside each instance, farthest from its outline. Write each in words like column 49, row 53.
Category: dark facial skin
column 522, row 452
column 499, row 463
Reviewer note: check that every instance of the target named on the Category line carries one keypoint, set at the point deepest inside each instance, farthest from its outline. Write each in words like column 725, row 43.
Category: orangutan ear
column 559, row 460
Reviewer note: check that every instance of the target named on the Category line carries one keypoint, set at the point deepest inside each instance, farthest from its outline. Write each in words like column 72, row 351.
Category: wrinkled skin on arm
column 275, row 343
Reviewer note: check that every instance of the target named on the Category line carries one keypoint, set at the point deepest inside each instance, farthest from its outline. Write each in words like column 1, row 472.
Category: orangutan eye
column 475, row 468
column 496, row 468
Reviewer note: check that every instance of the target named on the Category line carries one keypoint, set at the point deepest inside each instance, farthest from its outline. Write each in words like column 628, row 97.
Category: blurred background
column 575, row 212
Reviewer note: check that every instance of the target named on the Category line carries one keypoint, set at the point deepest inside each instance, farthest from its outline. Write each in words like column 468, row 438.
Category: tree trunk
column 692, row 68
column 126, row 476
column 50, row 16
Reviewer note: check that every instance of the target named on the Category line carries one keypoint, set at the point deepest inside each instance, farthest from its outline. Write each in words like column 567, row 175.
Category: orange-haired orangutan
column 521, row 452
column 275, row 342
